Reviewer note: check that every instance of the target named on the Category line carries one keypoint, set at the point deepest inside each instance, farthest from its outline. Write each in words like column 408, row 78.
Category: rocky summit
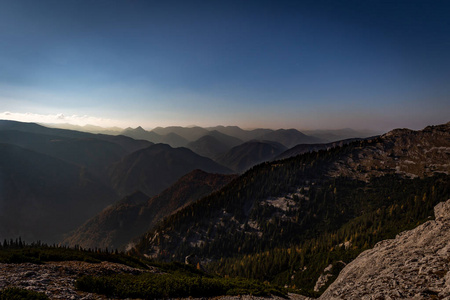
column 414, row 265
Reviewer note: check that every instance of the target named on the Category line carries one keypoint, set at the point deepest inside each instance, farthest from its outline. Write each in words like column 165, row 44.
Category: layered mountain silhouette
column 155, row 168
column 245, row 156
column 214, row 144
column 171, row 138
column 244, row 135
column 117, row 225
column 82, row 174
column 187, row 133
column 290, row 137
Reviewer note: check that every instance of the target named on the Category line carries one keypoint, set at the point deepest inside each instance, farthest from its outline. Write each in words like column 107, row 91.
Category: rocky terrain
column 57, row 279
column 414, row 265
column 402, row 151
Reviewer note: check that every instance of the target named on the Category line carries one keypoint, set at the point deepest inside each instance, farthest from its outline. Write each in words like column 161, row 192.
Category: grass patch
column 21, row 294
column 175, row 285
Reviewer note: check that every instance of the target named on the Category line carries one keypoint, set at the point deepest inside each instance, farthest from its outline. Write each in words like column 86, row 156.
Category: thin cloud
column 60, row 118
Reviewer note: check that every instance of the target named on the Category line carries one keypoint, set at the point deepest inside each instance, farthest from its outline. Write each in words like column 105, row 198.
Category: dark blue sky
column 300, row 64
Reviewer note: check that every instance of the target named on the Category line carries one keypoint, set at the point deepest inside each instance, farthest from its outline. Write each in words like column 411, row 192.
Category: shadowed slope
column 155, row 168
column 116, row 225
column 42, row 197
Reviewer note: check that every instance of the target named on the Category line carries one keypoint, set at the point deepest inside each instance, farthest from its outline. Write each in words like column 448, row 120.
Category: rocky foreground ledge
column 414, row 265
column 57, row 279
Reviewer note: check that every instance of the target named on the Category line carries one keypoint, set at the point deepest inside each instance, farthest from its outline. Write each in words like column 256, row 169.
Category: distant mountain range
column 182, row 136
column 284, row 217
column 298, row 210
column 56, row 179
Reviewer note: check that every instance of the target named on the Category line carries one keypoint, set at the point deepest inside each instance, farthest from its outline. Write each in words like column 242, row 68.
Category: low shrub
column 21, row 294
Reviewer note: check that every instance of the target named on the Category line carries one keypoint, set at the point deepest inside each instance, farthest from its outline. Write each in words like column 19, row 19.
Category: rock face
column 414, row 265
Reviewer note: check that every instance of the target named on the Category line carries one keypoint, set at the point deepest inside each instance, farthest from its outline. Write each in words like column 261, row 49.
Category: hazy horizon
column 372, row 65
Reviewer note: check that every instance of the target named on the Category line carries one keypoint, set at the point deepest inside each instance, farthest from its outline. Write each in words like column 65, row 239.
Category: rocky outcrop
column 414, row 265
column 402, row 151
column 57, row 279
column 328, row 274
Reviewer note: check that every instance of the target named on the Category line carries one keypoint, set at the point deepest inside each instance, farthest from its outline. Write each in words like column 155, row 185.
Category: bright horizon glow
column 116, row 125
column 309, row 64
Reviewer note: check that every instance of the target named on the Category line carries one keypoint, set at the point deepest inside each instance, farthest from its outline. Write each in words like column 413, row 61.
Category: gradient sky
column 367, row 64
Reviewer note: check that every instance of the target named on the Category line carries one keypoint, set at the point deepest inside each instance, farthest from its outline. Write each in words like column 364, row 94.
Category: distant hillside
column 42, row 197
column 117, row 225
column 208, row 146
column 86, row 128
column 289, row 137
column 305, row 148
column 245, row 156
column 188, row 133
column 127, row 143
column 214, row 144
column 142, row 134
column 94, row 154
column 157, row 167
column 286, row 221
column 244, row 135
column 171, row 138
column 340, row 134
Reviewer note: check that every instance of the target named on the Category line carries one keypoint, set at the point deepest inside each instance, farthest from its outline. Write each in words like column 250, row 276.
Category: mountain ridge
column 155, row 168
column 132, row 216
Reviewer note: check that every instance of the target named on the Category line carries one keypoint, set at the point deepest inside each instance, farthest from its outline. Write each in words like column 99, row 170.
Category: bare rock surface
column 414, row 265
column 401, row 151
column 291, row 296
column 57, row 279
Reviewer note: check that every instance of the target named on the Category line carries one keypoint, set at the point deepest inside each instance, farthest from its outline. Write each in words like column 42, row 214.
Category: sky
column 316, row 64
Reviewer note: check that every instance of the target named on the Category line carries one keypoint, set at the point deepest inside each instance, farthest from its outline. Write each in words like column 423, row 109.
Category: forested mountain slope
column 285, row 221
column 117, row 225
column 304, row 148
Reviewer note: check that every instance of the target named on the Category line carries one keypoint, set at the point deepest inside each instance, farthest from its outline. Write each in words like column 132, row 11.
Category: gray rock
column 414, row 265
column 57, row 279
